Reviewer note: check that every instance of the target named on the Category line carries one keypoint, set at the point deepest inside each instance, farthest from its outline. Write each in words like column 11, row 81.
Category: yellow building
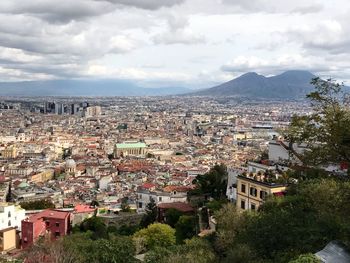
column 9, row 152
column 42, row 176
column 252, row 190
column 8, row 239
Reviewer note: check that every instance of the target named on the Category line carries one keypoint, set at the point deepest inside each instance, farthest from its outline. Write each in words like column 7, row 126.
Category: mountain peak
column 250, row 75
column 297, row 73
column 292, row 84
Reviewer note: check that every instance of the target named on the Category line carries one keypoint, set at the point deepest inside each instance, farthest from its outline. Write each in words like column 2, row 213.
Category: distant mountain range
column 292, row 84
column 83, row 88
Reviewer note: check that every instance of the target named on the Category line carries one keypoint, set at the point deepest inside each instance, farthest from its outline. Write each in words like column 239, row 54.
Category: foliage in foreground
column 80, row 248
column 194, row 250
column 326, row 132
column 317, row 212
column 156, row 235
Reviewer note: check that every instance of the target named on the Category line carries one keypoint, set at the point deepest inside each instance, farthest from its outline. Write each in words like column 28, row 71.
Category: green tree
column 327, row 130
column 96, row 226
column 185, row 228
column 172, row 215
column 37, row 205
column 151, row 214
column 212, row 183
column 241, row 253
column 306, row 258
column 124, row 205
column 158, row 255
column 80, row 248
column 116, row 250
column 9, row 193
column 305, row 220
column 156, row 235
column 127, row 230
column 195, row 250
column 229, row 223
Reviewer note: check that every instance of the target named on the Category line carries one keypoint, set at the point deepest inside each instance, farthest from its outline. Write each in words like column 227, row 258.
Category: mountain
column 290, row 84
column 83, row 88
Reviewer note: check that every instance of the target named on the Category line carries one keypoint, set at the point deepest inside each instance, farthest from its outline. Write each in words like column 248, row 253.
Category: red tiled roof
column 80, row 208
column 148, row 185
column 183, row 207
column 48, row 214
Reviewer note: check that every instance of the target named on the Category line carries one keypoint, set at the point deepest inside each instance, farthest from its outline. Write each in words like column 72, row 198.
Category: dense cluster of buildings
column 131, row 150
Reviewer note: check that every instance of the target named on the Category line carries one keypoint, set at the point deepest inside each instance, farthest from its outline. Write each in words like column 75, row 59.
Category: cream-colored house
column 8, row 239
column 252, row 190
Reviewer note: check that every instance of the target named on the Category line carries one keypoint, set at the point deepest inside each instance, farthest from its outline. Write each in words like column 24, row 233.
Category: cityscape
column 127, row 136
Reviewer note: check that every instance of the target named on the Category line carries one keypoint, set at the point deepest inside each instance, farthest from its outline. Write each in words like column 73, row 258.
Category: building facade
column 252, row 191
column 48, row 224
column 130, row 148
column 11, row 216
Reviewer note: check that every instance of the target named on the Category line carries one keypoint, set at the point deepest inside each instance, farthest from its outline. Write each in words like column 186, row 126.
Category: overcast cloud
column 193, row 43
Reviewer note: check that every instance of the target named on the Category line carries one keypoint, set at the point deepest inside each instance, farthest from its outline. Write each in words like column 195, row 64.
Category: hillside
column 290, row 84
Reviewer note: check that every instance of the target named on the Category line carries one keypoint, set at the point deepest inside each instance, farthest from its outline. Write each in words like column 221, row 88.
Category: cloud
column 178, row 32
column 327, row 36
column 242, row 64
column 188, row 38
column 307, row 9
column 56, row 11
column 64, row 11
column 146, row 4
column 275, row 6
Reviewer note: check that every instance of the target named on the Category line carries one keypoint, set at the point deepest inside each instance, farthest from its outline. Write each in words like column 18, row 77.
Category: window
column 160, row 199
column 9, row 223
column 140, row 204
column 253, row 191
column 252, row 206
column 263, row 194
column 47, row 223
column 9, row 214
column 57, row 234
column 57, row 224
column 242, row 204
column 243, row 188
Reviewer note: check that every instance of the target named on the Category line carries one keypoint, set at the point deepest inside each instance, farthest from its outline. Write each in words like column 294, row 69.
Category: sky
column 187, row 43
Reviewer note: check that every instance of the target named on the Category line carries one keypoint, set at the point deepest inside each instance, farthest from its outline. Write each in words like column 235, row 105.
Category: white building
column 282, row 151
column 144, row 197
column 231, row 191
column 104, row 181
column 11, row 216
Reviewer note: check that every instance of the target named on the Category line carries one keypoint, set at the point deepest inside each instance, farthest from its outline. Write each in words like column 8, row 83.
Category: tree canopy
column 316, row 212
column 213, row 183
column 156, row 235
column 326, row 131
column 151, row 214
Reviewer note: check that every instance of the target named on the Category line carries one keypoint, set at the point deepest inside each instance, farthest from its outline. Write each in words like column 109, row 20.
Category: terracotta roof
column 183, row 207
column 80, row 208
column 148, row 185
column 171, row 188
column 48, row 214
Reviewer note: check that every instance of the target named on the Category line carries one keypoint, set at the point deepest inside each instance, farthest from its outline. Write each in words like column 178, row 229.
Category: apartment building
column 252, row 190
